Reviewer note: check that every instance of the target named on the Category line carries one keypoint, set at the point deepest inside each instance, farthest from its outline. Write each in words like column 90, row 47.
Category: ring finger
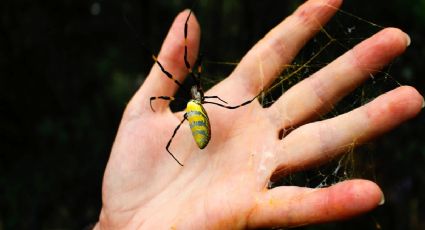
column 317, row 94
column 328, row 138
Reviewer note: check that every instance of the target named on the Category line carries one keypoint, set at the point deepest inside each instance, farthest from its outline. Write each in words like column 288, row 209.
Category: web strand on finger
column 343, row 32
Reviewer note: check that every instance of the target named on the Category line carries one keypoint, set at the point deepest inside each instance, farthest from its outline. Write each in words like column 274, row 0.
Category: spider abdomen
column 199, row 123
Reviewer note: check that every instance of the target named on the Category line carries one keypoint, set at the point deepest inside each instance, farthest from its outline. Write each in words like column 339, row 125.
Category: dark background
column 68, row 68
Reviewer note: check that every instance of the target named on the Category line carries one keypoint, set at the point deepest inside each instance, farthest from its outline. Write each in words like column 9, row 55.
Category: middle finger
column 262, row 64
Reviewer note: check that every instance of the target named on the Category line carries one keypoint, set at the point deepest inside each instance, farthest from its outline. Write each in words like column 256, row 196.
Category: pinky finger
column 297, row 206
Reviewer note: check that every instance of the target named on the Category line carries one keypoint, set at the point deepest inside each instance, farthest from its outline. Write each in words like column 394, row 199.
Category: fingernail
column 408, row 40
column 423, row 103
column 382, row 202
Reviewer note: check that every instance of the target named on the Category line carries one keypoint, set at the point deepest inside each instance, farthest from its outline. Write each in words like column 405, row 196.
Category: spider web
column 343, row 32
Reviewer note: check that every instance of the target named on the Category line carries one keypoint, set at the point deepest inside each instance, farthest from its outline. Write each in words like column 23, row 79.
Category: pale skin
column 224, row 186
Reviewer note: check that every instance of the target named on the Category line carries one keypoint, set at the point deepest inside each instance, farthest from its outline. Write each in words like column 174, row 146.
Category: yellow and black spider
column 194, row 112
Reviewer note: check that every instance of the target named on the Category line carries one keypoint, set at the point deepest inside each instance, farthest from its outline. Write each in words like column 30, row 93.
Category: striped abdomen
column 199, row 123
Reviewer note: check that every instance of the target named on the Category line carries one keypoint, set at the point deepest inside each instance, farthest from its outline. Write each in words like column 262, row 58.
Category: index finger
column 171, row 59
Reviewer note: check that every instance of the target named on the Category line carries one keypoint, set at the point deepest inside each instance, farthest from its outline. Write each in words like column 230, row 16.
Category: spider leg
column 186, row 62
column 228, row 106
column 171, row 139
column 167, row 98
column 168, row 74
column 216, row 97
column 195, row 76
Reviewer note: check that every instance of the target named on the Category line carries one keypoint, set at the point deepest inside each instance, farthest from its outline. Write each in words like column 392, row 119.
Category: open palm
column 225, row 184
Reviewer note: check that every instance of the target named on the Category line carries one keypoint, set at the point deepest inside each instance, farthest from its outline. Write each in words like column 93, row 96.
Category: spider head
column 197, row 93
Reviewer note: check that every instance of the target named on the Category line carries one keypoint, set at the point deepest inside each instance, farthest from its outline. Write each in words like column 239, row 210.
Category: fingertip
column 173, row 46
column 394, row 107
column 296, row 206
column 397, row 35
column 377, row 51
column 193, row 21
column 355, row 196
column 414, row 100
column 316, row 11
column 170, row 70
column 334, row 3
column 347, row 199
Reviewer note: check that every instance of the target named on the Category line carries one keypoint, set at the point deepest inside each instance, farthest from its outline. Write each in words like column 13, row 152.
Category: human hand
column 225, row 184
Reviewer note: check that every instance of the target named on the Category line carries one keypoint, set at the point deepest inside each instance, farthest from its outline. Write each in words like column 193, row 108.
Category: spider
column 195, row 113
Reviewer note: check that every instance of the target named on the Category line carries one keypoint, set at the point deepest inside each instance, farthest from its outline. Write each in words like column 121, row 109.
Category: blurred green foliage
column 68, row 68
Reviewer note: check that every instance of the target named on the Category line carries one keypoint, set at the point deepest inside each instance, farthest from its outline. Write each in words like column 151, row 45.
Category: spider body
column 198, row 122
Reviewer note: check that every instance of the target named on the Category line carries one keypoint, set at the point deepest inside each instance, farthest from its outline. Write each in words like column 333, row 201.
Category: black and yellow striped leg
column 168, row 74
column 186, row 61
column 216, row 97
column 167, row 98
column 231, row 107
column 171, row 139
column 194, row 75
